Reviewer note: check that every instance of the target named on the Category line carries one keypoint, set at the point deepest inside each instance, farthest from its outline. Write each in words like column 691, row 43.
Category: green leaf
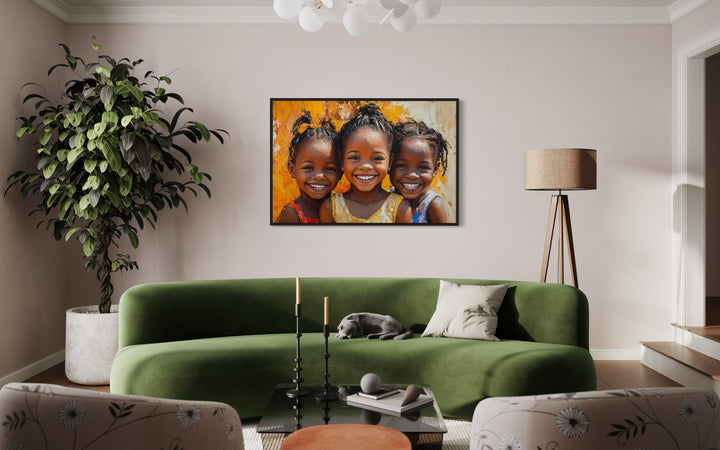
column 49, row 169
column 99, row 128
column 64, row 208
column 84, row 202
column 125, row 185
column 92, row 182
column 106, row 93
column 103, row 70
column 110, row 117
column 89, row 246
column 103, row 166
column 125, row 120
column 54, row 188
column 136, row 92
column 74, row 118
column 133, row 239
column 45, row 136
column 203, row 130
column 112, row 158
column 72, row 61
column 80, row 139
column 127, row 140
column 94, row 197
column 21, row 131
column 90, row 165
column 71, row 232
column 74, row 153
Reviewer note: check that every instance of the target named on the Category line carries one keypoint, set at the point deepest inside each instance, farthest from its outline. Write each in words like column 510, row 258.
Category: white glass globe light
column 287, row 9
column 309, row 20
column 427, row 9
column 328, row 3
column 391, row 4
column 408, row 2
column 404, row 23
column 356, row 20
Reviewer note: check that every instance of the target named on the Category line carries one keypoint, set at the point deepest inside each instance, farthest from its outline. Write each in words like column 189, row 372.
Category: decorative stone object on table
column 652, row 418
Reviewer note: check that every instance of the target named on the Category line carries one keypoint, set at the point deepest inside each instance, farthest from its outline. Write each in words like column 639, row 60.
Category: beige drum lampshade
column 561, row 169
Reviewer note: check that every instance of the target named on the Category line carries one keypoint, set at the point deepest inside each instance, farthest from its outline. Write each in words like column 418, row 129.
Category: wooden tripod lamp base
column 559, row 169
column 560, row 212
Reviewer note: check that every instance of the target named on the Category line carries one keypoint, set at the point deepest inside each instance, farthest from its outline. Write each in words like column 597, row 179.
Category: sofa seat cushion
column 243, row 370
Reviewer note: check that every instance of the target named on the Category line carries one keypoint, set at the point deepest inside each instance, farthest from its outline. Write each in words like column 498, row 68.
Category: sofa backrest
column 159, row 312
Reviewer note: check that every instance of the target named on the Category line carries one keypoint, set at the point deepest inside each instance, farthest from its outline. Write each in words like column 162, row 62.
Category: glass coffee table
column 424, row 427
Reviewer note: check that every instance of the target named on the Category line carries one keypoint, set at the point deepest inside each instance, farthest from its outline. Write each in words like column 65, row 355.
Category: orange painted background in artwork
column 285, row 112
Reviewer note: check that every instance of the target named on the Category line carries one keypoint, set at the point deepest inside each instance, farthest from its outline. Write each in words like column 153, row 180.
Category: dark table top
column 285, row 414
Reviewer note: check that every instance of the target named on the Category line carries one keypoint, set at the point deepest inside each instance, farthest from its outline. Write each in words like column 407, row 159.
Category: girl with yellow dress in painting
column 365, row 144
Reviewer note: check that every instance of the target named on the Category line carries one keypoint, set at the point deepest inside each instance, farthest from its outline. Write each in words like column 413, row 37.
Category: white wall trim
column 34, row 368
column 448, row 15
column 689, row 180
column 681, row 8
column 57, row 8
column 607, row 354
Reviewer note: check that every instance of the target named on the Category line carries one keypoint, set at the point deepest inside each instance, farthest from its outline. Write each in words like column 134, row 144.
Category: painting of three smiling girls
column 364, row 161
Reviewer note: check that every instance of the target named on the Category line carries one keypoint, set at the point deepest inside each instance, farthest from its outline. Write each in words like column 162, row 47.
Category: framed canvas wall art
column 364, row 161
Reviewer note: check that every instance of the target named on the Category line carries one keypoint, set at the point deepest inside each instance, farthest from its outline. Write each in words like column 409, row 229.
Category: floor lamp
column 559, row 169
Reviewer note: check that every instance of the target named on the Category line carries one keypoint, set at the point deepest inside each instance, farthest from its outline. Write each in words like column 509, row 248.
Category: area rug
column 457, row 437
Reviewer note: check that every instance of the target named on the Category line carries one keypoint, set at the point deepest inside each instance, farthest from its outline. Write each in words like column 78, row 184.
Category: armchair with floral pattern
column 635, row 419
column 50, row 417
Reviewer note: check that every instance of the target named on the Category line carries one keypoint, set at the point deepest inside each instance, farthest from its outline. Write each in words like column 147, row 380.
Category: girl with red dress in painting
column 313, row 164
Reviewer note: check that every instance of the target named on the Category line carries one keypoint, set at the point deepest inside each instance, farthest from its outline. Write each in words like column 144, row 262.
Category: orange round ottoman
column 347, row 436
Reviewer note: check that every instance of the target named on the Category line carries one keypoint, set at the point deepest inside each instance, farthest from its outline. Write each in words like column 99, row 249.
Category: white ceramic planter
column 91, row 341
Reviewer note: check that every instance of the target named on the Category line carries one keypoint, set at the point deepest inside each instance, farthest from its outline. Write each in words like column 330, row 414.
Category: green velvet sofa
column 234, row 340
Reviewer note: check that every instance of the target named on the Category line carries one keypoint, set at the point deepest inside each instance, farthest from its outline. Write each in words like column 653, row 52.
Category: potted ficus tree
column 107, row 161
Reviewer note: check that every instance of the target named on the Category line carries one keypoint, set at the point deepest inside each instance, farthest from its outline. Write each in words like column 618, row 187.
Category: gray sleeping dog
column 373, row 325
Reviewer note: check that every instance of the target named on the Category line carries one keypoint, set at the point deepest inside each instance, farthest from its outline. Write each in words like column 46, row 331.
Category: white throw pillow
column 466, row 311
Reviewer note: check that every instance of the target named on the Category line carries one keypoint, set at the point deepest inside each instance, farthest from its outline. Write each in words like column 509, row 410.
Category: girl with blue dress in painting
column 419, row 152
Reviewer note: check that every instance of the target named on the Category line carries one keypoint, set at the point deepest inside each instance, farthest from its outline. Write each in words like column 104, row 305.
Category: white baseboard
column 34, row 368
column 615, row 354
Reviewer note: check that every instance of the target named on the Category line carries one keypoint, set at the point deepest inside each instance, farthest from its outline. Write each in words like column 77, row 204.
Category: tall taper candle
column 327, row 316
column 297, row 290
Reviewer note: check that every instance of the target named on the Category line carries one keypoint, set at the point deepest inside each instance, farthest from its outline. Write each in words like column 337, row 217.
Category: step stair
column 682, row 363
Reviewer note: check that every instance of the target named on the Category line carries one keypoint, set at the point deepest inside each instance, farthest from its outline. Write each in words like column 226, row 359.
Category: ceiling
column 452, row 12
column 450, row 3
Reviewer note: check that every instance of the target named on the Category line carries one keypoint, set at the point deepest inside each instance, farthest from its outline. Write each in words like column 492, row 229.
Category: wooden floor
column 628, row 374
column 610, row 375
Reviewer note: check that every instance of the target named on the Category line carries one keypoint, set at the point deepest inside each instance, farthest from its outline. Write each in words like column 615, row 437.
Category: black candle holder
column 326, row 396
column 298, row 417
column 297, row 391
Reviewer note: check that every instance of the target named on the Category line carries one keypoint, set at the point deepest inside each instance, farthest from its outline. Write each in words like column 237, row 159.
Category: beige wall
column 521, row 88
column 33, row 273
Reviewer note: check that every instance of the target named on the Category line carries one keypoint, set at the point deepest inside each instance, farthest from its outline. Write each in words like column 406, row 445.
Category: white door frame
column 688, row 253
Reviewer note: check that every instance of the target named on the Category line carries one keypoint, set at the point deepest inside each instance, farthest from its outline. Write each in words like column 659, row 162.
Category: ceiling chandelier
column 357, row 15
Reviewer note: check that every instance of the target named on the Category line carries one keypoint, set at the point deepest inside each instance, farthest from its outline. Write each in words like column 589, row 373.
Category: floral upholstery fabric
column 635, row 419
column 50, row 417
